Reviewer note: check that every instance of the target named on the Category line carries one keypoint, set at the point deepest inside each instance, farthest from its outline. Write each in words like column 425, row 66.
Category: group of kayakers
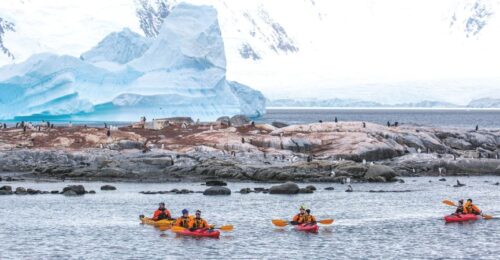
column 303, row 217
column 467, row 208
column 185, row 220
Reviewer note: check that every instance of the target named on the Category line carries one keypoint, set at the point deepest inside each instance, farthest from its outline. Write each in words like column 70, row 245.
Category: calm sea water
column 463, row 118
column 430, row 117
column 367, row 226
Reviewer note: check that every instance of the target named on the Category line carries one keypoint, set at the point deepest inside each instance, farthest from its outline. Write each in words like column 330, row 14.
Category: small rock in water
column 245, row 190
column 349, row 189
column 257, row 190
column 108, row 187
column 92, row 192
column 311, row 187
column 183, row 191
column 54, row 192
column 32, row 191
column 285, row 188
column 217, row 191
column 442, row 179
column 21, row 191
column 401, row 181
column 329, row 188
column 70, row 193
column 497, row 183
column 6, row 188
column 78, row 189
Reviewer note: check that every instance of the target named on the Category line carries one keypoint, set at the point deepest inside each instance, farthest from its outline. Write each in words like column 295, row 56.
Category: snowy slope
column 182, row 73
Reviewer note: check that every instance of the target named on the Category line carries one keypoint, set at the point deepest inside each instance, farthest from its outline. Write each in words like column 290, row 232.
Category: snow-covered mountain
column 5, row 26
column 181, row 72
column 348, row 103
column 471, row 16
column 485, row 103
column 388, row 52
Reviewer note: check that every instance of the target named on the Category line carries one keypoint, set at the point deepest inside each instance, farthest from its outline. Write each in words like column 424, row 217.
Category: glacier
column 181, row 72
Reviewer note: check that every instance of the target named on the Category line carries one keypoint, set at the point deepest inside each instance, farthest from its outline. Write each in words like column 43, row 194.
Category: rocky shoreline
column 239, row 150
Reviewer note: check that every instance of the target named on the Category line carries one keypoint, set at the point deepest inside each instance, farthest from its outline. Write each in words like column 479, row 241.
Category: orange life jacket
column 198, row 223
column 161, row 214
column 299, row 218
column 183, row 222
column 309, row 219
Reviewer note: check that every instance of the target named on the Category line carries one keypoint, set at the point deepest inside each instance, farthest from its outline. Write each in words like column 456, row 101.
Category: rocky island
column 237, row 149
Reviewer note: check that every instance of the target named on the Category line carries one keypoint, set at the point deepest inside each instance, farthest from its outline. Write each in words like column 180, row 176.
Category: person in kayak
column 470, row 208
column 299, row 218
column 309, row 219
column 460, row 208
column 185, row 220
column 161, row 213
column 198, row 223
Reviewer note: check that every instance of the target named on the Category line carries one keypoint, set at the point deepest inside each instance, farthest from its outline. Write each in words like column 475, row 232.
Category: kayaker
column 198, row 223
column 185, row 220
column 460, row 208
column 470, row 208
column 309, row 219
column 161, row 213
column 299, row 218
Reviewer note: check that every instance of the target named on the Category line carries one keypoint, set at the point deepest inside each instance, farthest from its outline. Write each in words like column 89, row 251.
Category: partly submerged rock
column 21, row 191
column 77, row 189
column 108, row 187
column 217, row 190
column 285, row 188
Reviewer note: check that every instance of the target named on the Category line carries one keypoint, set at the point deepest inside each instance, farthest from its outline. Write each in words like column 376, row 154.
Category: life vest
column 309, row 219
column 470, row 208
column 299, row 218
column 183, row 222
column 199, row 223
column 161, row 214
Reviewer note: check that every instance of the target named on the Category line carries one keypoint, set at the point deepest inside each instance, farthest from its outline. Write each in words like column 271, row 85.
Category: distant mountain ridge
column 351, row 103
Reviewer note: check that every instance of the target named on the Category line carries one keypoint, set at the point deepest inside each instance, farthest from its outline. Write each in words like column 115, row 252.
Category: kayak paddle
column 451, row 203
column 225, row 228
column 283, row 223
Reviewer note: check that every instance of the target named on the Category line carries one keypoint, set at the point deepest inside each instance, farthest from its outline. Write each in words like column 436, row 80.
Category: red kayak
column 460, row 218
column 307, row 228
column 200, row 233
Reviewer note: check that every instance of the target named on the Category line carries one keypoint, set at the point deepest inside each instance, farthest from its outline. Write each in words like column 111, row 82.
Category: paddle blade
column 449, row 203
column 176, row 229
column 163, row 228
column 226, row 228
column 280, row 222
column 326, row 221
column 487, row 217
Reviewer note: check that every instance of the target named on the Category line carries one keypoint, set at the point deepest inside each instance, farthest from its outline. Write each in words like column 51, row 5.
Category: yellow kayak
column 159, row 223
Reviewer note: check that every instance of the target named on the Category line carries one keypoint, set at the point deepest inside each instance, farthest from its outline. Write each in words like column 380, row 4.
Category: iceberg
column 182, row 72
